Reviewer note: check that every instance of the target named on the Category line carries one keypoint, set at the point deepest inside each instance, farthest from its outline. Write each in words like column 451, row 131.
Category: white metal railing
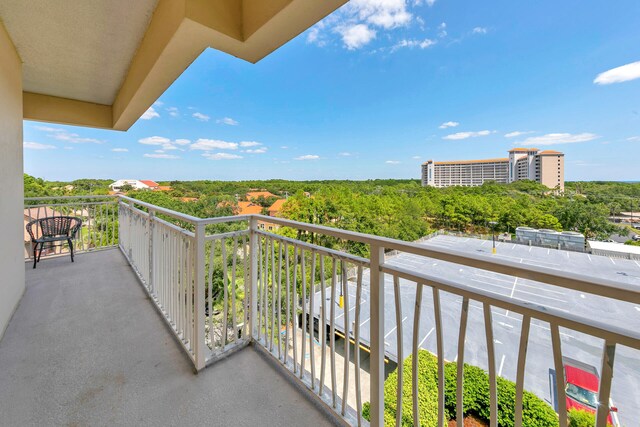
column 222, row 290
column 99, row 215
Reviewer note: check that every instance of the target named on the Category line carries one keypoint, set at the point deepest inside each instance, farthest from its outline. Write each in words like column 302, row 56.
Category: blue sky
column 379, row 87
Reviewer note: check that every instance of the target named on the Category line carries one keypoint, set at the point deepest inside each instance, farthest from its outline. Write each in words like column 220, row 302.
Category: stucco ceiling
column 77, row 49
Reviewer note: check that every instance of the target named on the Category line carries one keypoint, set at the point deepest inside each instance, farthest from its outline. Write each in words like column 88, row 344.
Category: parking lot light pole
column 493, row 235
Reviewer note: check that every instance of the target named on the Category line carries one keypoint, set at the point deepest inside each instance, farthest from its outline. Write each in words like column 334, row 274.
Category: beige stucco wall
column 11, row 181
column 549, row 165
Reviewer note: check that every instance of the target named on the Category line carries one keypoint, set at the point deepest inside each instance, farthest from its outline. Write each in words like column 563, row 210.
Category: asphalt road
column 506, row 325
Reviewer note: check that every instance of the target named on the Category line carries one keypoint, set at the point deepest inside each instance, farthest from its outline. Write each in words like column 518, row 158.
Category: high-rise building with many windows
column 545, row 167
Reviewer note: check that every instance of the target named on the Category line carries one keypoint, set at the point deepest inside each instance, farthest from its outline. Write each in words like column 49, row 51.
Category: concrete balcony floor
column 86, row 347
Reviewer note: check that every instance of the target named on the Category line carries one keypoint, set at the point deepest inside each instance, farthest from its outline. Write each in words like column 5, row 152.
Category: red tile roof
column 255, row 194
column 522, row 150
column 276, row 207
column 150, row 183
column 248, row 208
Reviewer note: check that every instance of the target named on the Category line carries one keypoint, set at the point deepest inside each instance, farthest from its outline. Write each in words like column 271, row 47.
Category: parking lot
column 506, row 325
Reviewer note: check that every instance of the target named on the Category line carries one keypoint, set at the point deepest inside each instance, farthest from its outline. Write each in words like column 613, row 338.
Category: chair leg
column 41, row 249
column 70, row 248
column 35, row 254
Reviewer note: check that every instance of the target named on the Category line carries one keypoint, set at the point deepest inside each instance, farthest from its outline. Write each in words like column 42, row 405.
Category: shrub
column 536, row 413
column 578, row 418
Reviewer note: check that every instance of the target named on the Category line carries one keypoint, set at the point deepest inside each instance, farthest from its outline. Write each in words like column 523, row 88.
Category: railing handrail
column 88, row 196
column 575, row 281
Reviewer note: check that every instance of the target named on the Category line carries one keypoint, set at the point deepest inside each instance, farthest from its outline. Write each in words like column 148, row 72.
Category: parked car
column 582, row 382
column 636, row 237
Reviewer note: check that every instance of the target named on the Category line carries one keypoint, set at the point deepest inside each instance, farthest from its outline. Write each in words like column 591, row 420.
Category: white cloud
column 158, row 151
column 37, row 146
column 165, row 143
column 356, row 36
column 120, row 150
column 465, row 135
column 416, row 157
column 226, row 121
column 150, row 114
column 201, row 117
column 411, row 43
column 446, row 125
column 620, row 74
column 161, row 156
column 221, row 156
column 158, row 103
column 442, row 30
column 154, row 140
column 64, row 135
column 49, row 129
column 213, row 144
column 173, row 111
column 516, row 133
column 634, row 139
column 344, row 154
column 558, row 138
column 249, row 144
column 68, row 148
column 284, row 147
column 260, row 150
column 383, row 13
column 392, row 162
column 480, row 30
column 308, row 157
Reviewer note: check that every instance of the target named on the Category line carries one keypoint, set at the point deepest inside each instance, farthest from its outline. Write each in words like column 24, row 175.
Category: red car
column 582, row 383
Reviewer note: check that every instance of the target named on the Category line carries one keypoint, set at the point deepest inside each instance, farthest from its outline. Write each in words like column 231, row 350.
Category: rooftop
column 85, row 347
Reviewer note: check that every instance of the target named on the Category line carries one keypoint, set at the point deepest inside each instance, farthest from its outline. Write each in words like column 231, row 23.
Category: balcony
column 86, row 347
column 264, row 318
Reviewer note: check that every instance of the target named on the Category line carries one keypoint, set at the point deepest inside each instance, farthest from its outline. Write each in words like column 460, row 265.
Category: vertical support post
column 377, row 335
column 199, row 303
column 152, row 216
column 253, row 275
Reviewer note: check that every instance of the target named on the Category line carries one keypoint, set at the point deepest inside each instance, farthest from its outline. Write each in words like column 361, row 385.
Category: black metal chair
column 50, row 230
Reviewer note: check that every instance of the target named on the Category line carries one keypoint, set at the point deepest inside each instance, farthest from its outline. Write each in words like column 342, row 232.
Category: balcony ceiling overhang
column 103, row 63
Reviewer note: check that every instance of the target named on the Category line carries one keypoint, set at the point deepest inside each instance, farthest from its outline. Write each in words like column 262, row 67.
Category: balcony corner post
column 253, row 275
column 377, row 334
column 199, row 299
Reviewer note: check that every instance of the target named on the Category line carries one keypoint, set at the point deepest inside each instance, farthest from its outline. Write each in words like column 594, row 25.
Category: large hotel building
column 545, row 167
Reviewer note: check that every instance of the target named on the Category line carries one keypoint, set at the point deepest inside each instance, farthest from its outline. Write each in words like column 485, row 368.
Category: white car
column 636, row 237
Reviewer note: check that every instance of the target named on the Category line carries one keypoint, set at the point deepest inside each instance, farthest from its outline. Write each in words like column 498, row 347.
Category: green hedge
column 536, row 412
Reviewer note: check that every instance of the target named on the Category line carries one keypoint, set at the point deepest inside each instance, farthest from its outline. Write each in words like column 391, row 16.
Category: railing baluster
column 522, row 358
column 332, row 329
column 323, row 326
column 210, row 282
column 279, row 301
column 273, row 295
column 556, row 344
column 464, row 314
column 414, row 354
column 493, row 390
column 345, row 383
column 440, row 347
column 357, row 345
column 312, row 335
column 225, row 284
column 260, row 287
column 400, row 368
column 288, row 303
column 246, row 309
column 294, row 309
column 234, row 319
column 377, row 334
column 303, row 355
column 606, row 375
column 266, row 287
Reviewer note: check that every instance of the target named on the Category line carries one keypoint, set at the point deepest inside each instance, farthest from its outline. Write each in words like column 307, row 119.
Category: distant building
column 545, row 167
column 465, row 173
column 136, row 184
column 253, row 195
column 276, row 207
column 551, row 238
